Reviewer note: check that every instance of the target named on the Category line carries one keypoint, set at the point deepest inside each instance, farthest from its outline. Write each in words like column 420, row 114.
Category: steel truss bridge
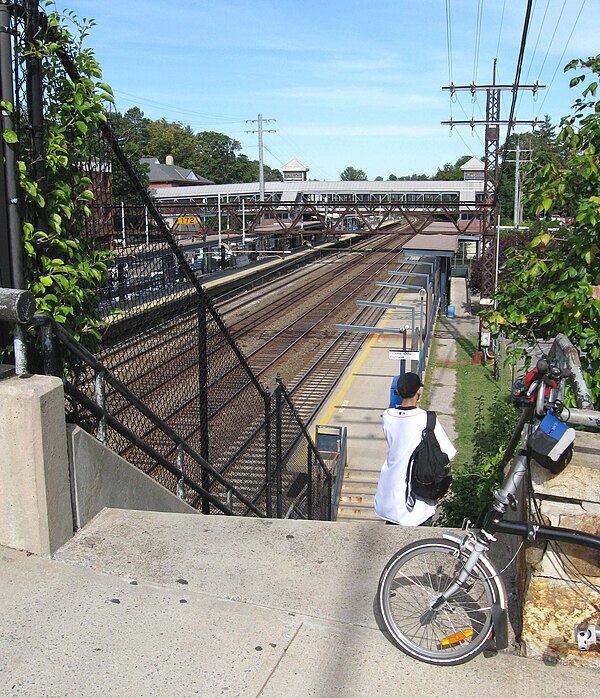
column 463, row 217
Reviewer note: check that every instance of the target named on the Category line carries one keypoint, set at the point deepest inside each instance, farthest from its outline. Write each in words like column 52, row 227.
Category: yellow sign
column 187, row 220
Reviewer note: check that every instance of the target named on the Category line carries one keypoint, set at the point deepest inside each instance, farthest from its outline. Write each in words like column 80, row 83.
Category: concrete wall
column 102, row 479
column 40, row 457
column 556, row 599
column 35, row 499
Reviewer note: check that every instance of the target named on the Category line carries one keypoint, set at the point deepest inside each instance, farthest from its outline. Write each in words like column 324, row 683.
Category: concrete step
column 355, row 510
column 361, row 475
column 358, row 487
column 356, row 514
column 356, row 499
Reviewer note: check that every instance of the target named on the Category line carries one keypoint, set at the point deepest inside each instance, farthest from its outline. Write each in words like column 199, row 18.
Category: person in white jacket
column 403, row 428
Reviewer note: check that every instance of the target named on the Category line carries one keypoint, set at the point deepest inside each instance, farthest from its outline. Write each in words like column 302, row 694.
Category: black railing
column 281, row 449
column 166, row 387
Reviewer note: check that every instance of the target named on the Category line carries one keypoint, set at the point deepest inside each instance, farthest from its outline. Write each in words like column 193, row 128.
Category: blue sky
column 348, row 82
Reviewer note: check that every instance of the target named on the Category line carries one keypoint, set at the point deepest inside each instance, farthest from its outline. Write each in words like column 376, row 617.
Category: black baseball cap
column 408, row 384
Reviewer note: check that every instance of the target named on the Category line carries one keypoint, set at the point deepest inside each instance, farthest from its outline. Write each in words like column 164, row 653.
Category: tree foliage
column 60, row 269
column 209, row 154
column 473, row 484
column 352, row 174
column 450, row 171
column 537, row 146
column 551, row 282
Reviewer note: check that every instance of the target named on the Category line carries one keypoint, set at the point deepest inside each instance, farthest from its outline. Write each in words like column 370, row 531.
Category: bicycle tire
column 411, row 580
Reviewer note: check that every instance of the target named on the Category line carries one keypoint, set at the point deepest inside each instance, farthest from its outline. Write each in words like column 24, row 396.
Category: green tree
column 61, row 270
column 412, row 178
column 539, row 145
column 392, row 178
column 172, row 138
column 351, row 174
column 130, row 129
column 551, row 281
column 450, row 171
column 379, row 179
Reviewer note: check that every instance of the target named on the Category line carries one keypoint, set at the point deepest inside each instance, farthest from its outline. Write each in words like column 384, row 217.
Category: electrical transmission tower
column 491, row 182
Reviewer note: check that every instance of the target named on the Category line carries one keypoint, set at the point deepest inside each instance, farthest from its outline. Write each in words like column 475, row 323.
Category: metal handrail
column 102, row 413
column 339, row 475
column 565, row 353
column 425, row 348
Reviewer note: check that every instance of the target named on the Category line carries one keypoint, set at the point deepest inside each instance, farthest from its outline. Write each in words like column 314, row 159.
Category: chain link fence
column 187, row 385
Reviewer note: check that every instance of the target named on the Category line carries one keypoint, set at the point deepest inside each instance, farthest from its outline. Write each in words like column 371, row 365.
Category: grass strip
column 474, row 384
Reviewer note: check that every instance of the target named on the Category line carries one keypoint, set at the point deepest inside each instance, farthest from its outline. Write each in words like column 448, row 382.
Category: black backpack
column 428, row 475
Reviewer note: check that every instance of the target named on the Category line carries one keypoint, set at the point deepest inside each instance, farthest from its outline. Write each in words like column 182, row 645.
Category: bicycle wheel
column 412, row 580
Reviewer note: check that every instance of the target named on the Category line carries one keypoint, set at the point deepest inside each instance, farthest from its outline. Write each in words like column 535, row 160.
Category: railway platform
column 363, row 394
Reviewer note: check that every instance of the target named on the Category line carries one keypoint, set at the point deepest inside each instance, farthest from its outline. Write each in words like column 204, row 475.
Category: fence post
column 278, row 447
column 100, row 395
column 268, row 457
column 309, row 492
column 13, row 227
column 203, row 396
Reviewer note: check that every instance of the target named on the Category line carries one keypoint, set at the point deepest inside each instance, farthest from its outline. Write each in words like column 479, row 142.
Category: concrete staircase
column 357, row 494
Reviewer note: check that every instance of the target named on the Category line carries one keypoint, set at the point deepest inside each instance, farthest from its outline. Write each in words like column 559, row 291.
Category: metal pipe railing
column 101, row 413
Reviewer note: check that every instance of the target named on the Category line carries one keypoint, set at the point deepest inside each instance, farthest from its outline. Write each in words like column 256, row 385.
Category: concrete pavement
column 156, row 604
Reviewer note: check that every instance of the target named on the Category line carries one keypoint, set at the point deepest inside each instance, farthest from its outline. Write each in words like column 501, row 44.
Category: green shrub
column 474, row 482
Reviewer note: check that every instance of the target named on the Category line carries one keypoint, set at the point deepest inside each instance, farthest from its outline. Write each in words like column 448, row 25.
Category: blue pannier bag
column 551, row 444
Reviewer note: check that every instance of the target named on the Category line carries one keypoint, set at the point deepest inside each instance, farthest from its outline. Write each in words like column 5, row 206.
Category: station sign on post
column 403, row 355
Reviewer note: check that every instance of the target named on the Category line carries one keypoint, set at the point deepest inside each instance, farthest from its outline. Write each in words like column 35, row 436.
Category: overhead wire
column 151, row 102
column 537, row 41
column 454, row 98
column 560, row 60
column 552, row 37
column 516, row 83
column 449, row 48
column 500, row 30
column 477, row 39
column 296, row 153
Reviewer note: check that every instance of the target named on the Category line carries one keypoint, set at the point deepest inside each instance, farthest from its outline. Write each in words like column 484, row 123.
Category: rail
column 52, row 332
column 568, row 359
column 428, row 336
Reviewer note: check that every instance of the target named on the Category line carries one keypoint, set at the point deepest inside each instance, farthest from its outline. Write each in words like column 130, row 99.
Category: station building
column 296, row 189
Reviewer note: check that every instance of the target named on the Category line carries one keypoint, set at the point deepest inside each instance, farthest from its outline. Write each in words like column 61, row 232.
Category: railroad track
column 170, row 389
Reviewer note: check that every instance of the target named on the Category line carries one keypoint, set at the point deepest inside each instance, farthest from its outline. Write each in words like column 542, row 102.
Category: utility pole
column 261, row 170
column 518, row 208
column 489, row 221
column 10, row 226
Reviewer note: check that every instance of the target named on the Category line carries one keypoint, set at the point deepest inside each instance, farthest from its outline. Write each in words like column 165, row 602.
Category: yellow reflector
column 456, row 637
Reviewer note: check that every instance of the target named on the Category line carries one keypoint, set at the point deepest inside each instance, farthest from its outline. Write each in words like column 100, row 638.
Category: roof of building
column 474, row 164
column 160, row 172
column 294, row 166
column 319, row 187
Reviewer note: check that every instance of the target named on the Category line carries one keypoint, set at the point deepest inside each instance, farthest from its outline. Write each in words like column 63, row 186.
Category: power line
column 553, row 35
column 477, row 39
column 500, row 30
column 562, row 55
column 536, row 44
column 168, row 107
column 449, row 39
column 516, row 82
